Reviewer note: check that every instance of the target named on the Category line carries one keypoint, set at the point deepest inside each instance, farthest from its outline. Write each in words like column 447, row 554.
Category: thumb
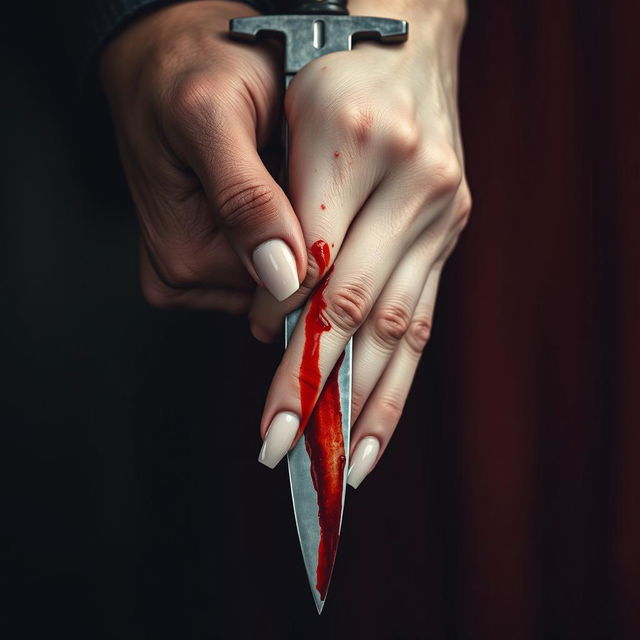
column 252, row 209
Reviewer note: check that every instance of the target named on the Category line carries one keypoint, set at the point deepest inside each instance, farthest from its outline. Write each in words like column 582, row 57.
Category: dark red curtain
column 536, row 531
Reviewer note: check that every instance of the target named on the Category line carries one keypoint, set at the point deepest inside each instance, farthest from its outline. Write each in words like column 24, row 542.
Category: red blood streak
column 325, row 446
column 323, row 425
column 315, row 324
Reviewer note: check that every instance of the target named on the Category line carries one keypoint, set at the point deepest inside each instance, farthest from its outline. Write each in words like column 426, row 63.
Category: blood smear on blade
column 315, row 325
column 325, row 445
column 324, row 440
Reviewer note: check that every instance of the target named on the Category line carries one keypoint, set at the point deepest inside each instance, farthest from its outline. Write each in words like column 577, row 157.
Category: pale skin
column 376, row 172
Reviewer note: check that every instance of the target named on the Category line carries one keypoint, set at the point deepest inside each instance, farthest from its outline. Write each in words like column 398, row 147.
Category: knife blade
column 317, row 466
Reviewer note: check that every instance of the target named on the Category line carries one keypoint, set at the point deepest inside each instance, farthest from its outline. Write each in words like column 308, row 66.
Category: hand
column 377, row 180
column 191, row 109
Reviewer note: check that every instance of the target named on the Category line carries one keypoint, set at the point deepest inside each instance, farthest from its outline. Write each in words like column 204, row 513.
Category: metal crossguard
column 311, row 35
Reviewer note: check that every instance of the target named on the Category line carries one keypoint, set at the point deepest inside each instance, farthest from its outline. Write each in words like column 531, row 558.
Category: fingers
column 379, row 417
column 215, row 134
column 336, row 310
column 190, row 107
column 181, row 247
column 389, row 321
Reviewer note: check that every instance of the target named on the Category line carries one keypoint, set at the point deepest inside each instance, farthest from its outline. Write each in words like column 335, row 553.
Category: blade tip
column 318, row 602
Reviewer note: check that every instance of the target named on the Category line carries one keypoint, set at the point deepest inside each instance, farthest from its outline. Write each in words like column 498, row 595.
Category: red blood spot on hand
column 323, row 206
column 336, row 154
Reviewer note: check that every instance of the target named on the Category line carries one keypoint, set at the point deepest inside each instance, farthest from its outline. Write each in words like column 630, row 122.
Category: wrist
column 435, row 27
column 427, row 18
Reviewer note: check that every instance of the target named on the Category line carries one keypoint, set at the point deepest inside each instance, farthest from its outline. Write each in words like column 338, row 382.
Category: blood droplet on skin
column 323, row 206
column 323, row 425
column 321, row 254
column 336, row 154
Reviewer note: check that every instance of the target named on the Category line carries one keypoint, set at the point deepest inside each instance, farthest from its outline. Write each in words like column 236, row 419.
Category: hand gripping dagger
column 318, row 462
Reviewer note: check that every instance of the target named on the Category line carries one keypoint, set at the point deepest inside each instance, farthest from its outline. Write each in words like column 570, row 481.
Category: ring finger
column 379, row 417
column 389, row 320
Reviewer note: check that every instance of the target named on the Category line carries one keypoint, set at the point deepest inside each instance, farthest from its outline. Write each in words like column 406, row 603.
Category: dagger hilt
column 317, row 31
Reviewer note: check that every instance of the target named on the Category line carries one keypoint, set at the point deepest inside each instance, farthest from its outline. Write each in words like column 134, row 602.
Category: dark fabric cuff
column 104, row 18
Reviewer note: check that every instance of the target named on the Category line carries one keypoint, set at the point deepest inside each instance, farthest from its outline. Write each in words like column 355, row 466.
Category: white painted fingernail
column 276, row 266
column 364, row 456
column 280, row 435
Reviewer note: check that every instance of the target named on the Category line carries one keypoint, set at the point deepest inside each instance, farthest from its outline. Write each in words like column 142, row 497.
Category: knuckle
column 463, row 208
column 348, row 306
column 177, row 272
column 390, row 325
column 357, row 404
column 442, row 172
column 390, row 406
column 246, row 204
column 418, row 334
column 190, row 97
column 355, row 122
column 404, row 137
column 313, row 276
column 156, row 294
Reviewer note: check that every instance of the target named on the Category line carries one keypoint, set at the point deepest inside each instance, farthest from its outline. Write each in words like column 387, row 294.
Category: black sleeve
column 104, row 18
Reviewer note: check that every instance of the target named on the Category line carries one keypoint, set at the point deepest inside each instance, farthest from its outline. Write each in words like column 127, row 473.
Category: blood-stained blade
column 318, row 473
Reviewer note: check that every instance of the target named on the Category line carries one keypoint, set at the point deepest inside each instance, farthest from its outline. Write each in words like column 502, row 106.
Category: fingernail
column 280, row 435
column 364, row 456
column 276, row 266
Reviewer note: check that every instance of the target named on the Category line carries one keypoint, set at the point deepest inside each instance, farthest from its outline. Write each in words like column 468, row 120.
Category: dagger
column 318, row 462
